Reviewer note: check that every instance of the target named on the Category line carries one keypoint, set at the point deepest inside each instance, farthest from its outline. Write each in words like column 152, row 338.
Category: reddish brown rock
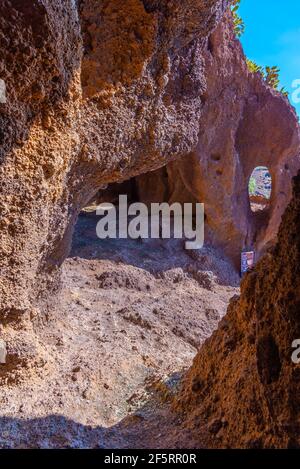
column 96, row 93
column 244, row 373
column 244, row 124
column 74, row 122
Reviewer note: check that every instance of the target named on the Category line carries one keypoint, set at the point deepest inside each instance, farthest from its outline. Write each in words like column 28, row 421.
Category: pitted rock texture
column 244, row 124
column 74, row 122
column 96, row 93
column 39, row 62
column 244, row 377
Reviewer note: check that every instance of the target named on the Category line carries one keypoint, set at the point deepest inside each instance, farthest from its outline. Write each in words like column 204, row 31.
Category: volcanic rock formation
column 99, row 92
column 243, row 380
column 96, row 92
column 244, row 124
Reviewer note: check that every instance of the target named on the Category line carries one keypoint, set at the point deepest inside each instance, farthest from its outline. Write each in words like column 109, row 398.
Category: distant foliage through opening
column 260, row 188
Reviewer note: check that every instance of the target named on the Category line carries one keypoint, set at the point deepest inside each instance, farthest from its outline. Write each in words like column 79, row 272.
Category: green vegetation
column 239, row 25
column 252, row 185
column 270, row 75
column 272, row 79
column 254, row 68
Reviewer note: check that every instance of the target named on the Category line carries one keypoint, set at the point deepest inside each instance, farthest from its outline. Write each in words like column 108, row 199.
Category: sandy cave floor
column 132, row 317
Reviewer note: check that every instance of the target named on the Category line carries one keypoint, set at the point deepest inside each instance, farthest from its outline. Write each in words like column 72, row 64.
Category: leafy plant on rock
column 269, row 74
column 254, row 68
column 239, row 25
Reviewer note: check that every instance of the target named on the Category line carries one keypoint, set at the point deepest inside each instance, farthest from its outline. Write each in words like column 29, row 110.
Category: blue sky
column 272, row 37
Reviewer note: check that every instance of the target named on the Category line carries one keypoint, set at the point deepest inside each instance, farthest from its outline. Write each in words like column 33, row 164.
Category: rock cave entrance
column 260, row 189
column 138, row 310
column 100, row 91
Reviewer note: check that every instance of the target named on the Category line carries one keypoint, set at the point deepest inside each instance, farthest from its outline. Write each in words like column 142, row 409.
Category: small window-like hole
column 260, row 188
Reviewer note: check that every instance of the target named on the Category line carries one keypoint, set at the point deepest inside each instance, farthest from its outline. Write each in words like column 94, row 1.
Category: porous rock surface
column 244, row 124
column 243, row 381
column 96, row 92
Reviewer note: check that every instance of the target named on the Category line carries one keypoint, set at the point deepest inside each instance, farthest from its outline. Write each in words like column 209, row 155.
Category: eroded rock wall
column 96, row 92
column 244, row 124
column 243, row 381
column 73, row 122
column 39, row 63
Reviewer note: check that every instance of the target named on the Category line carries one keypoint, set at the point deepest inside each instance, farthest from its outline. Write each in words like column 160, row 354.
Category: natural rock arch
column 260, row 189
column 70, row 126
column 244, row 124
column 67, row 129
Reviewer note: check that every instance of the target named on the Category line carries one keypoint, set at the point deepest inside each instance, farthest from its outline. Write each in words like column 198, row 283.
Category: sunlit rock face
column 243, row 378
column 96, row 92
column 244, row 124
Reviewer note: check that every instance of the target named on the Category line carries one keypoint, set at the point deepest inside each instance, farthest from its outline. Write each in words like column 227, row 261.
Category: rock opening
column 260, row 189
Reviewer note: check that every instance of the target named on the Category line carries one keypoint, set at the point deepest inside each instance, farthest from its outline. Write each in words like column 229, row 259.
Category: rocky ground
column 132, row 317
